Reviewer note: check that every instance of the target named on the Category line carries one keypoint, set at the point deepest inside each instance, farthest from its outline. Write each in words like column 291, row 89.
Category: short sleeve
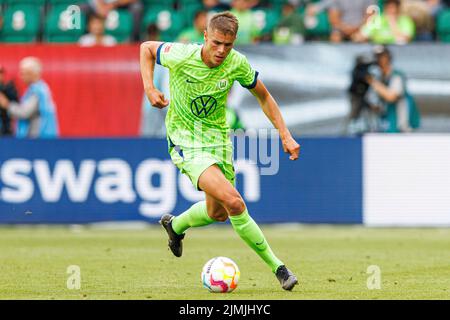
column 396, row 85
column 169, row 54
column 246, row 75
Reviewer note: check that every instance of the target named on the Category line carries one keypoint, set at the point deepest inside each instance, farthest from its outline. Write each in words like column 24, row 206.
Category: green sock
column 195, row 216
column 249, row 231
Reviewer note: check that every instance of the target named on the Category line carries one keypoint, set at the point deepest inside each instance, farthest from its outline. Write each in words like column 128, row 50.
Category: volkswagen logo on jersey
column 203, row 106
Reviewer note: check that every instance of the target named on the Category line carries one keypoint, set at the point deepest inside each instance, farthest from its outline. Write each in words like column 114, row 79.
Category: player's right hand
column 156, row 98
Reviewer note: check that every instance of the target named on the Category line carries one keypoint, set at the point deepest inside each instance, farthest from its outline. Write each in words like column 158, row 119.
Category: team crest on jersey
column 203, row 106
column 222, row 84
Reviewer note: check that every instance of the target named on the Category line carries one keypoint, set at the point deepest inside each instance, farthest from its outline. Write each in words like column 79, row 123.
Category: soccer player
column 198, row 136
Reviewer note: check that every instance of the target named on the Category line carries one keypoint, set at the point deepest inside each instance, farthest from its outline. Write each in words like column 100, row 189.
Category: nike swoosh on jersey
column 190, row 81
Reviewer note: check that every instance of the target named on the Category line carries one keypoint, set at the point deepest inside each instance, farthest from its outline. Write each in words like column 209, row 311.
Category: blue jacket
column 47, row 114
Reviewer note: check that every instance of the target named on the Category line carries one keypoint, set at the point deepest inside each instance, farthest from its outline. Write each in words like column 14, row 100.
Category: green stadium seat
column 64, row 26
column 119, row 23
column 189, row 2
column 443, row 26
column 266, row 19
column 167, row 4
column 278, row 4
column 66, row 2
column 320, row 27
column 170, row 22
column 21, row 23
column 23, row 2
column 190, row 9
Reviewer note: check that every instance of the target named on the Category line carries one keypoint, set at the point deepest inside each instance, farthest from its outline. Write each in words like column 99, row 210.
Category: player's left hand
column 292, row 147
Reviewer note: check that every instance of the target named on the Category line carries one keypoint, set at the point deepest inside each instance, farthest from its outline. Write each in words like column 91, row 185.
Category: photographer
column 398, row 110
column 362, row 117
column 8, row 89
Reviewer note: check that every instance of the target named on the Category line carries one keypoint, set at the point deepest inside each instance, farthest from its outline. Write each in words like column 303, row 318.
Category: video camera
column 360, row 72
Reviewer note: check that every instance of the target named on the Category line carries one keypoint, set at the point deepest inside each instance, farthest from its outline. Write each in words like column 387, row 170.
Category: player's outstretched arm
column 272, row 111
column 148, row 53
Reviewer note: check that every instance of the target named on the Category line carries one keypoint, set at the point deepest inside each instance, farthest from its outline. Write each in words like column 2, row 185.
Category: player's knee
column 219, row 215
column 221, row 218
column 235, row 204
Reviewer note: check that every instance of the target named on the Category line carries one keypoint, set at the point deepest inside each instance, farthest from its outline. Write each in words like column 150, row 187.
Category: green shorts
column 193, row 161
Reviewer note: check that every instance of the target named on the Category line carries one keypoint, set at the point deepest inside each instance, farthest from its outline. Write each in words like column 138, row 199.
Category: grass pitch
column 331, row 263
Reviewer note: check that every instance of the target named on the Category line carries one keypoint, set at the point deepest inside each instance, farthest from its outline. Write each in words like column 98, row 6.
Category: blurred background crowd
column 108, row 22
column 336, row 67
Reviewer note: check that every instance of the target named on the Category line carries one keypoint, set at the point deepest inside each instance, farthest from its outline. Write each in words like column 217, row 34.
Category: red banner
column 97, row 91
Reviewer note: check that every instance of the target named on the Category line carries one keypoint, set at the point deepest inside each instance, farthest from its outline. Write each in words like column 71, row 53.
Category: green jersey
column 380, row 31
column 198, row 94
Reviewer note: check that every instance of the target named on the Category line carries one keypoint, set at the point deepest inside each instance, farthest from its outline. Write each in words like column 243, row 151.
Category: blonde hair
column 224, row 22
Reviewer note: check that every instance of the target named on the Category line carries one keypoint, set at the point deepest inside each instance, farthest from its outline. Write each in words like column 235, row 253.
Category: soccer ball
column 220, row 274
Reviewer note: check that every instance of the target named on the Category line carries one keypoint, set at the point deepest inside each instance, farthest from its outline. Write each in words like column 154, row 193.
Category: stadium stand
column 119, row 23
column 169, row 22
column 22, row 2
column 156, row 3
column 317, row 27
column 61, row 26
column 277, row 4
column 21, row 23
column 266, row 19
column 189, row 8
column 44, row 20
column 65, row 2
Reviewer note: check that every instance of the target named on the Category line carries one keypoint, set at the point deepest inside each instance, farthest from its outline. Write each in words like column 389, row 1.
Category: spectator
column 248, row 32
column 36, row 112
column 196, row 32
column 8, row 88
column 153, row 119
column 347, row 17
column 215, row 6
column 102, row 8
column 96, row 35
column 389, row 28
column 398, row 110
column 290, row 29
column 421, row 13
